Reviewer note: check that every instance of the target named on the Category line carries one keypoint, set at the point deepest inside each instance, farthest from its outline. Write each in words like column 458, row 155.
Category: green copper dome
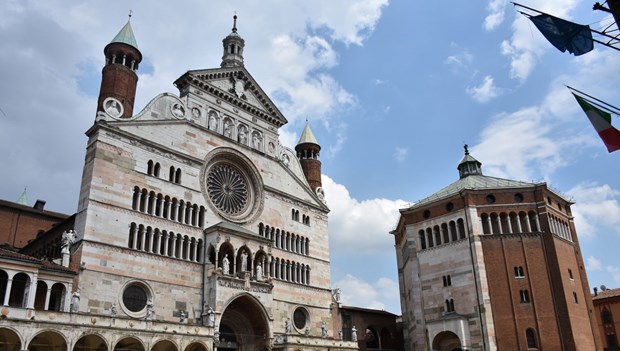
column 126, row 36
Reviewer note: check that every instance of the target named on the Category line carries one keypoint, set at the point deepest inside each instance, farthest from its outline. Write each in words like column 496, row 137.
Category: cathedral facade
column 492, row 264
column 195, row 230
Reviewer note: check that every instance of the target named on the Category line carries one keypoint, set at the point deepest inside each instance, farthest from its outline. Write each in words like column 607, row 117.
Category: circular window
column 426, row 214
column 300, row 318
column 518, row 197
column 232, row 185
column 227, row 189
column 135, row 297
column 449, row 206
column 491, row 198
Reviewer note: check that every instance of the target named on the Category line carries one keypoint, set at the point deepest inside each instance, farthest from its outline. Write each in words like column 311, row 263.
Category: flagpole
column 617, row 110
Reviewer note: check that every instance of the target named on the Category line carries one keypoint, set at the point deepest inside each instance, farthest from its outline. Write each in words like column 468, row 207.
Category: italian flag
column 601, row 120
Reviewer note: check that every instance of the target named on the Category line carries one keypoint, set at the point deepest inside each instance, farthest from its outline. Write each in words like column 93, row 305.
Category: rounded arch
column 165, row 345
column 244, row 324
column 446, row 341
column 226, row 251
column 19, row 290
column 371, row 336
column 196, row 346
column 129, row 344
column 10, row 339
column 47, row 340
column 91, row 342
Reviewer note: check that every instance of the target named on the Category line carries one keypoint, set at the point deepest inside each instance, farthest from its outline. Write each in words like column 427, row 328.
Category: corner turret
column 308, row 151
column 119, row 77
column 469, row 165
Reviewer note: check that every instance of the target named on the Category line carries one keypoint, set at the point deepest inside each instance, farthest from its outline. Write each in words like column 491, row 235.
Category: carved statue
column 212, row 123
column 244, row 261
column 256, row 140
column 354, row 334
column 226, row 264
column 307, row 331
column 259, row 272
column 227, row 129
column 68, row 238
column 340, row 335
column 287, row 326
column 75, row 301
column 182, row 317
column 243, row 138
column 210, row 317
column 336, row 294
column 323, row 331
column 216, row 339
column 113, row 310
column 149, row 310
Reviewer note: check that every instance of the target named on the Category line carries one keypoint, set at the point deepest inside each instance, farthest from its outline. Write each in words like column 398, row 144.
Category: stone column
column 32, row 292
column 7, row 293
column 47, row 298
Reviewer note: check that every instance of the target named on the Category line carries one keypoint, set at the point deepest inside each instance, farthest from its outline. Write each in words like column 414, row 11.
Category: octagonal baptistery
column 492, row 264
column 195, row 228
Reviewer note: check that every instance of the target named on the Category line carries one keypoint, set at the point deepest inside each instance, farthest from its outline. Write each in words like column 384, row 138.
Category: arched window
column 156, row 169
column 177, row 176
column 171, row 175
column 422, row 239
column 530, row 336
column 149, row 167
column 606, row 317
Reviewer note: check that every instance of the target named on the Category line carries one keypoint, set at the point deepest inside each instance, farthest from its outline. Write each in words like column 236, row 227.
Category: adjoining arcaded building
column 195, row 230
column 492, row 264
column 607, row 313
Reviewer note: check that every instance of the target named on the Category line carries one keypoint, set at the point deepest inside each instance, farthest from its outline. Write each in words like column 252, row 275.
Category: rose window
column 227, row 189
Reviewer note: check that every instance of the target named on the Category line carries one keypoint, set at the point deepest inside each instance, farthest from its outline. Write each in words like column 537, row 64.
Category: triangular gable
column 236, row 86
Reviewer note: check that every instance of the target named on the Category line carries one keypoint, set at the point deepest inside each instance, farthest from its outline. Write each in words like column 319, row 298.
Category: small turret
column 119, row 77
column 308, row 151
column 469, row 165
column 233, row 48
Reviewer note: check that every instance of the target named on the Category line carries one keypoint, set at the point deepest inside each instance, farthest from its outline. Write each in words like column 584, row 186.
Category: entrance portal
column 447, row 341
column 244, row 325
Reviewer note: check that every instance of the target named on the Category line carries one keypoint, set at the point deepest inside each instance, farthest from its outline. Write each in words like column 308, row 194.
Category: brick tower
column 119, row 78
column 308, row 150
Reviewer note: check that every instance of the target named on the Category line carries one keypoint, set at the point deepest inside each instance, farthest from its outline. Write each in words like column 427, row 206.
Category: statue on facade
column 216, row 339
column 287, row 326
column 353, row 334
column 226, row 264
column 113, row 310
column 227, row 128
column 340, row 334
column 149, row 310
column 212, row 122
column 323, row 330
column 307, row 331
column 336, row 294
column 182, row 317
column 210, row 317
column 75, row 301
column 244, row 261
column 243, row 138
column 259, row 272
column 68, row 238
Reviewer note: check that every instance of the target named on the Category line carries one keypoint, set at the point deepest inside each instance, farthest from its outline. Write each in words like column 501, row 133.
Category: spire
column 469, row 165
column 307, row 137
column 125, row 35
column 233, row 48
column 23, row 198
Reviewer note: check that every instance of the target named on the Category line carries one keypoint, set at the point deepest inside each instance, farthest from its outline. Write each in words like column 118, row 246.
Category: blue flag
column 565, row 35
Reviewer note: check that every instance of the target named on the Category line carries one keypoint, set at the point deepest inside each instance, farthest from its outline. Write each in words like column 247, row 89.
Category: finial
column 234, row 29
column 466, row 149
column 130, row 14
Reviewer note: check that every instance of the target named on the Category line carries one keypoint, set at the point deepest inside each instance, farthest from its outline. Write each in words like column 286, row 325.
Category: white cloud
column 496, row 14
column 486, row 91
column 380, row 81
column 359, row 226
column 357, row 292
column 596, row 209
column 615, row 273
column 400, row 154
column 593, row 264
column 459, row 61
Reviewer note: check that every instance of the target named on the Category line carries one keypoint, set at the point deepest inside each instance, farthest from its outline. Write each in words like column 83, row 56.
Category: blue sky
column 392, row 90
